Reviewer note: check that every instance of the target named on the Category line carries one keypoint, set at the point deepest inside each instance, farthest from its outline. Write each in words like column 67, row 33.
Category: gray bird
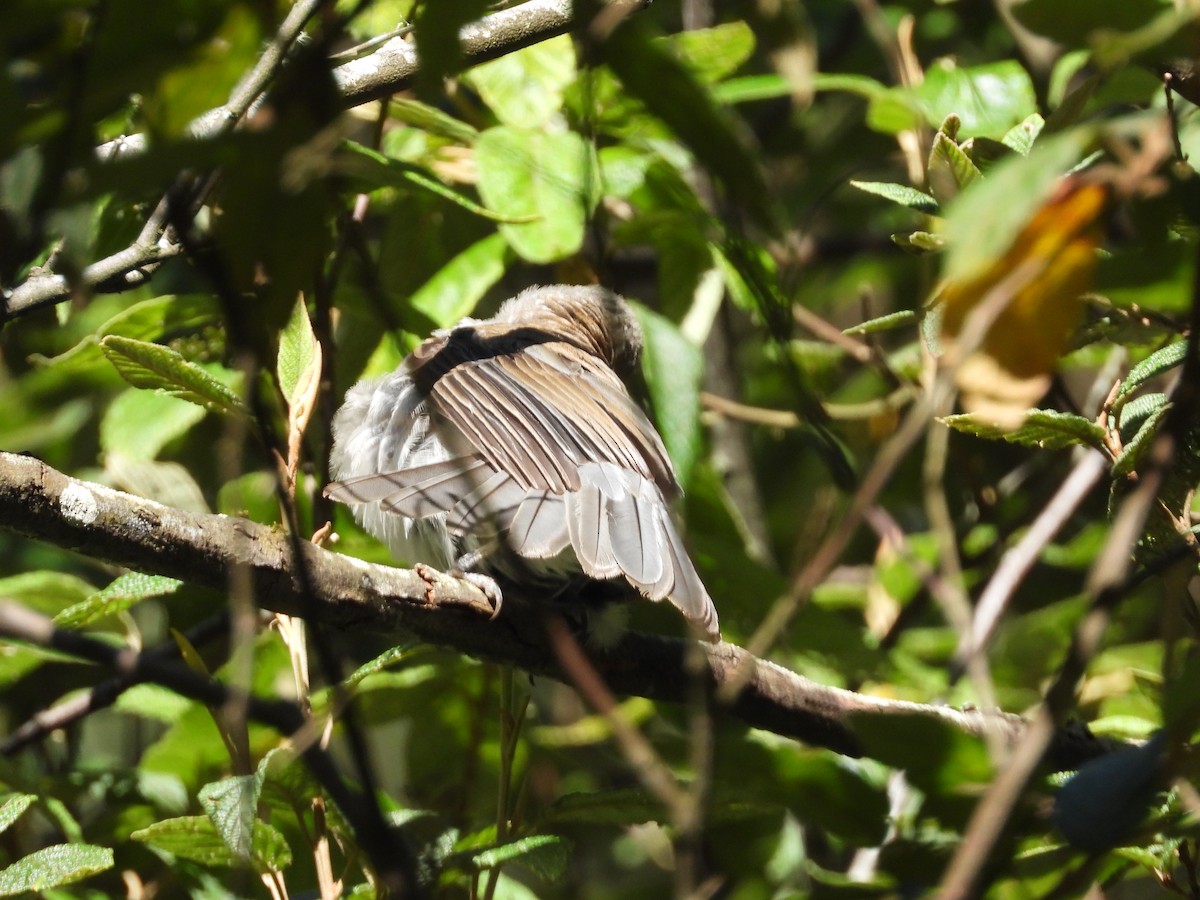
column 510, row 444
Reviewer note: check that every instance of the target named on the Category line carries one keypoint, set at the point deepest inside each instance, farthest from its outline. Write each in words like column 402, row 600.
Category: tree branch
column 40, row 502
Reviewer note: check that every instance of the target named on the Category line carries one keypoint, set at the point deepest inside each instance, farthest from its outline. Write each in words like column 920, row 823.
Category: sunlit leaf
column 545, row 175
column 461, row 283
column 53, row 867
column 155, row 367
column 900, row 193
column 123, row 593
column 1048, row 429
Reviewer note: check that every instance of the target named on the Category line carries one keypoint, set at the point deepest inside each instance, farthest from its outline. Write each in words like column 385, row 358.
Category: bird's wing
column 542, row 413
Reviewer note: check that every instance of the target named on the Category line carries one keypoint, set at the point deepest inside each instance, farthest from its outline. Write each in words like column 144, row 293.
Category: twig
column 1017, row 562
column 103, row 695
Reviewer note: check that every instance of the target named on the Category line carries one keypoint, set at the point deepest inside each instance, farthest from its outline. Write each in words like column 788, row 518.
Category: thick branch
column 39, row 502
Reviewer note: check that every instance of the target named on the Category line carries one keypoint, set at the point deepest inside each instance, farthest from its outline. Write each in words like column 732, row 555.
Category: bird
column 510, row 446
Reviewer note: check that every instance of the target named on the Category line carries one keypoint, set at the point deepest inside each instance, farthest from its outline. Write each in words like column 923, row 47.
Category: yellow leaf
column 1033, row 299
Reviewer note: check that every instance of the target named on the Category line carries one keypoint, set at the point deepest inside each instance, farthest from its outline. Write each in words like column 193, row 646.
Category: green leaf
column 431, row 119
column 45, row 591
column 298, row 354
column 1136, row 411
column 1045, row 428
column 123, row 593
column 541, row 174
column 196, row 838
column 460, row 284
column 155, row 367
column 887, row 322
column 150, row 701
column 950, row 169
column 53, row 867
column 525, row 88
column 155, row 319
column 714, row 53
column 752, row 87
column 1157, row 363
column 1021, row 137
column 989, row 99
column 12, row 809
column 1105, row 801
column 138, row 424
column 900, row 193
column 619, row 806
column 546, row 855
column 1135, row 449
column 401, row 653
column 232, row 804
column 673, row 369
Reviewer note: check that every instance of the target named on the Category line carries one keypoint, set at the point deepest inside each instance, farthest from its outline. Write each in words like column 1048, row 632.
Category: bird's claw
column 488, row 586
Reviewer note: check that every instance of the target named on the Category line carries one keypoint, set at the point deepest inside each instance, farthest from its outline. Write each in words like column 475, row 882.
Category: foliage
column 912, row 234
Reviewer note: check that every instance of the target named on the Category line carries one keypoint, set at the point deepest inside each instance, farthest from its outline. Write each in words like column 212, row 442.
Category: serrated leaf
column 546, row 855
column 53, row 867
column 1045, row 428
column 1021, row 137
column 900, row 193
column 1135, row 449
column 884, row 323
column 1157, row 363
column 231, row 805
column 124, row 592
column 299, row 353
column 12, row 809
column 673, row 368
column 544, row 175
column 950, row 169
column 155, row 367
column 461, row 283
column 196, row 838
column 298, row 367
column 1136, row 411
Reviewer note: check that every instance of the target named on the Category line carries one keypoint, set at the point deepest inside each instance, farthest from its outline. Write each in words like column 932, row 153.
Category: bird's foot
column 487, row 586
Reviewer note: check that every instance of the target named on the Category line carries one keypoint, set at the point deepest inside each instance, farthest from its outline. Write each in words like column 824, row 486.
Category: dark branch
column 41, row 503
